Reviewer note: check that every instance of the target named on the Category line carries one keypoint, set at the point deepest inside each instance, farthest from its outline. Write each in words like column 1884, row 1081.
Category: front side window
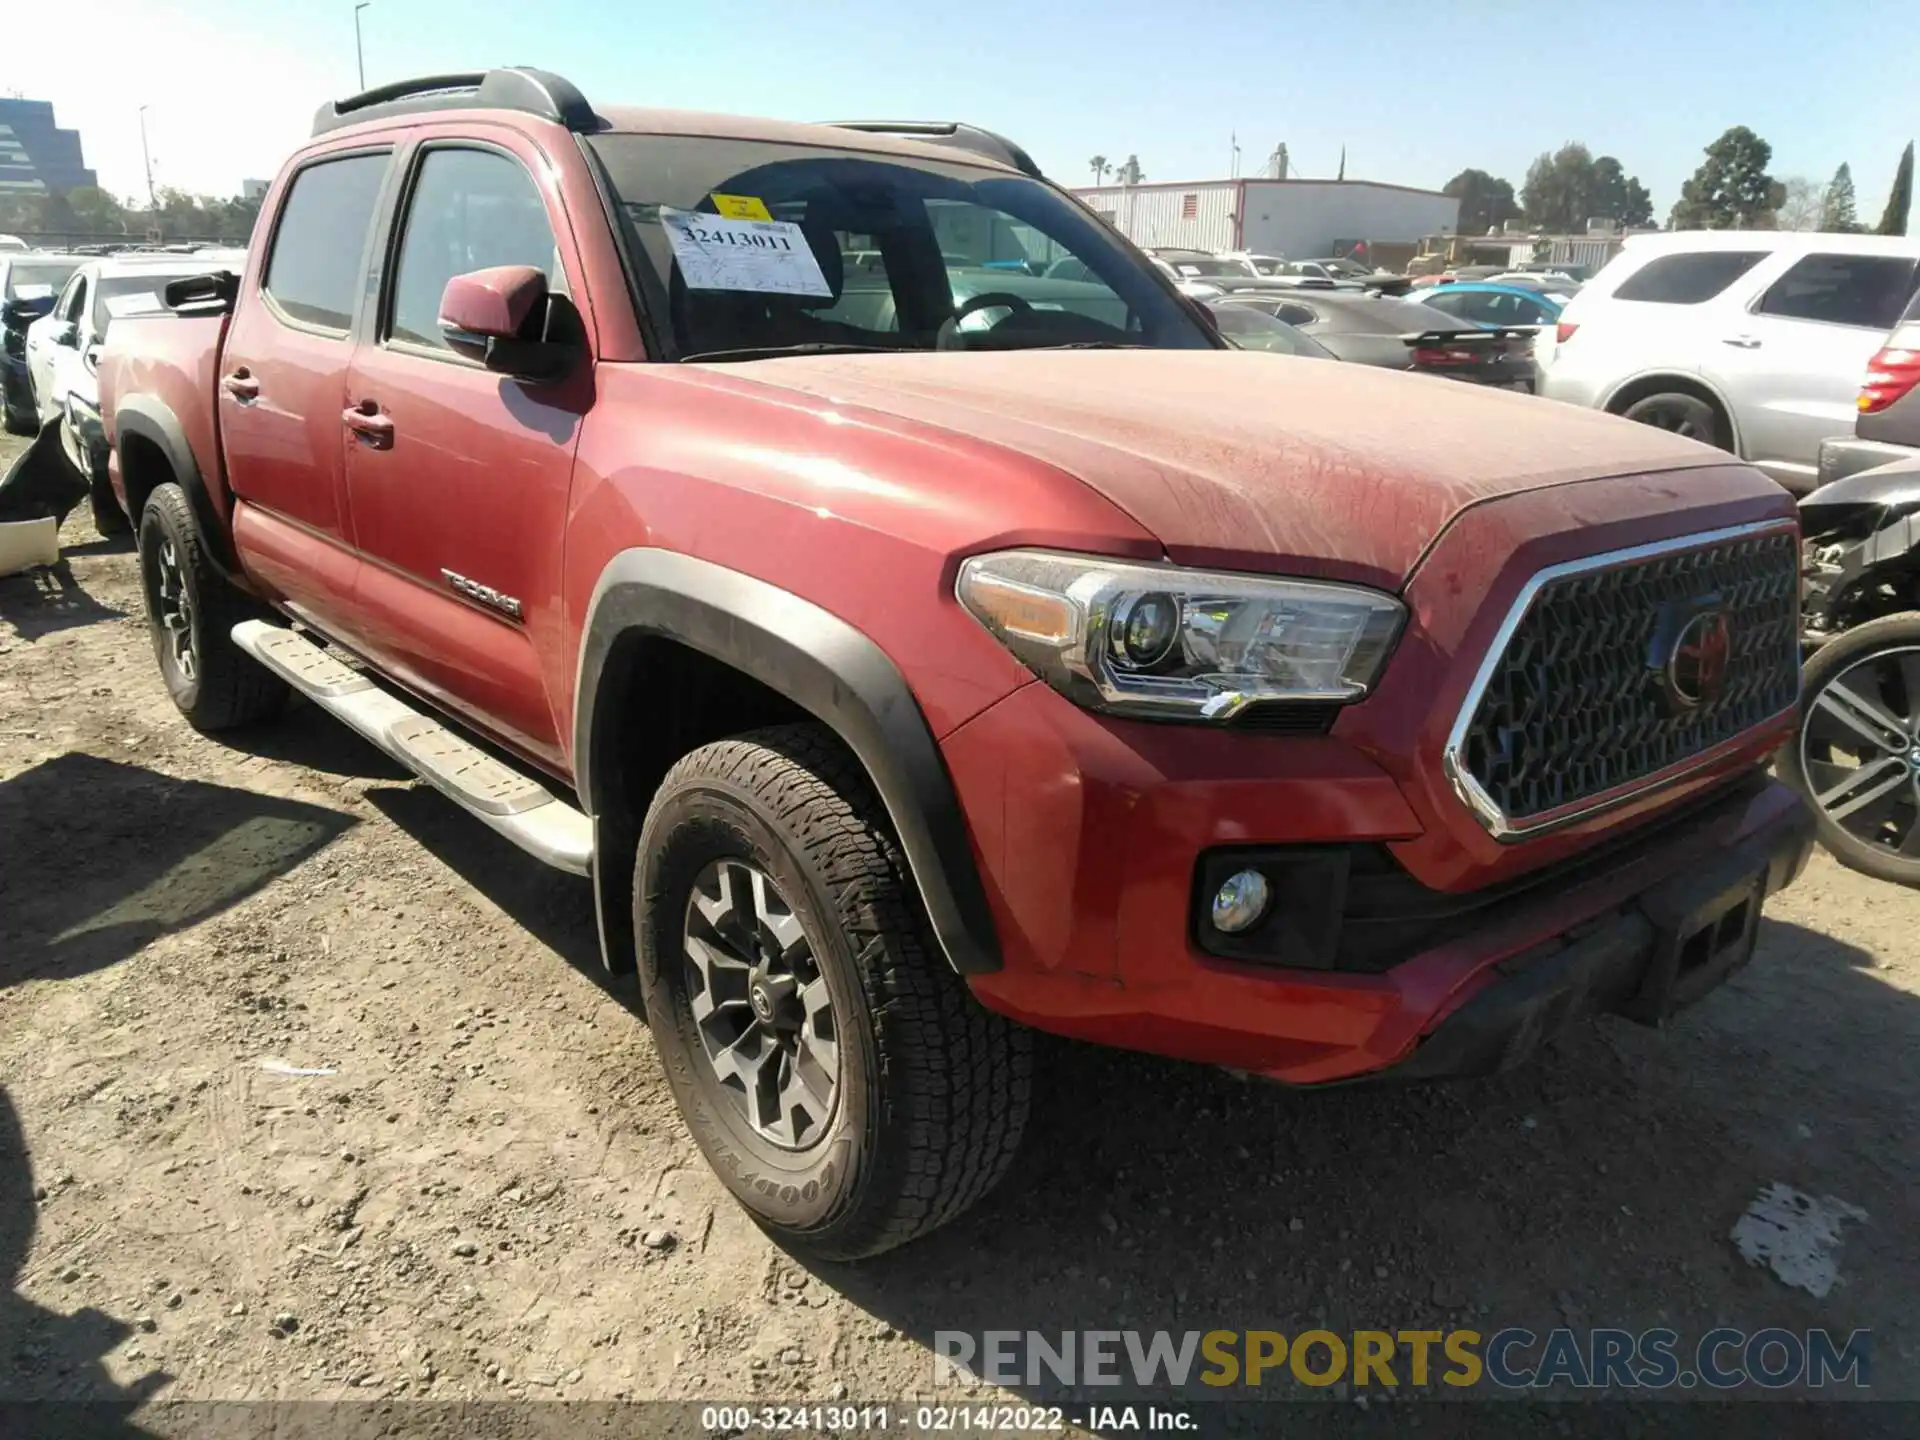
column 1868, row 291
column 757, row 247
column 313, row 274
column 470, row 210
column 1689, row 279
column 73, row 301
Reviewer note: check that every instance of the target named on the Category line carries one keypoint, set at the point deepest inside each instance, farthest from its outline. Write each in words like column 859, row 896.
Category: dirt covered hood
column 1251, row 459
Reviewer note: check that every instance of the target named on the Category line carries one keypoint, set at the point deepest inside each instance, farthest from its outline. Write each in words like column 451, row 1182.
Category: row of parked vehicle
column 1794, row 351
column 55, row 313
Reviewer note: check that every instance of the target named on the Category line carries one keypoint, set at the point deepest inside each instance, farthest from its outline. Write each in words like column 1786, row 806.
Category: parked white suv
column 1752, row 340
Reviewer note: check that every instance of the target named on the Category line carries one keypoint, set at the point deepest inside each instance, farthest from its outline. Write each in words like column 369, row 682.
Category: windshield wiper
column 814, row 347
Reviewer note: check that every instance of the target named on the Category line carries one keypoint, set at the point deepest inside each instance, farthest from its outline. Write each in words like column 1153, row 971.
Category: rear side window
column 313, row 274
column 1687, row 279
column 1869, row 291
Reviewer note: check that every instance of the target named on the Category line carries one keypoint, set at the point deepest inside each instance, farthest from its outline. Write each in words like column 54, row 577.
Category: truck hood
column 1253, row 461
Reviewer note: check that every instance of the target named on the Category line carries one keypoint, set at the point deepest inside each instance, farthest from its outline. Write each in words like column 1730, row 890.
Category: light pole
column 359, row 54
column 146, row 157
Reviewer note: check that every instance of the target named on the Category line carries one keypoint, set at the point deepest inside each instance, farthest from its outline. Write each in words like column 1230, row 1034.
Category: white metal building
column 1296, row 218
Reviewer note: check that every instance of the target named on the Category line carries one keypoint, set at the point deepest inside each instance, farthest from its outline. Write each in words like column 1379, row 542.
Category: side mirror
column 67, row 333
column 210, row 294
column 499, row 317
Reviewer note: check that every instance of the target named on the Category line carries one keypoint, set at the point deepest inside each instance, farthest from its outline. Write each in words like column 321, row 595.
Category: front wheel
column 1857, row 754
column 835, row 1071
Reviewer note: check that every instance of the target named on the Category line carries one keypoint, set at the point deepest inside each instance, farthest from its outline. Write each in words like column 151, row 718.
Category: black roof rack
column 953, row 133
column 535, row 92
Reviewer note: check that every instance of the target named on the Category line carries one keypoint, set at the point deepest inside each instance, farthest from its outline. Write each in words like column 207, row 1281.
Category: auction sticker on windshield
column 768, row 257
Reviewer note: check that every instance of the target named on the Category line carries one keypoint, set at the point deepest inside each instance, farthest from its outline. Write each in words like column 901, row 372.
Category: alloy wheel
column 764, row 1014
column 1676, row 420
column 173, row 605
column 1860, row 750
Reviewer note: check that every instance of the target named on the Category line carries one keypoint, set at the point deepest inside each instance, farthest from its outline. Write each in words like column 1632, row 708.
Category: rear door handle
column 366, row 421
column 1741, row 342
column 241, row 385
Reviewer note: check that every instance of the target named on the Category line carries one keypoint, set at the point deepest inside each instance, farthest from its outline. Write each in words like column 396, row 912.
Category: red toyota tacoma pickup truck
column 916, row 651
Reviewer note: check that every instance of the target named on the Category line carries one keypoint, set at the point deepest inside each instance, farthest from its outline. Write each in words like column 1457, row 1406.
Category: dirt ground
column 487, row 1193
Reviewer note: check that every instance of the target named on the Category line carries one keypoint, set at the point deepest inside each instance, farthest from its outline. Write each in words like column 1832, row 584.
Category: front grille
column 1580, row 701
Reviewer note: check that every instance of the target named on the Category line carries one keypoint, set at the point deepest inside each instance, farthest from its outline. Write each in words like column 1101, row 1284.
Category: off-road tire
column 933, row 1091
column 1889, row 632
column 228, row 687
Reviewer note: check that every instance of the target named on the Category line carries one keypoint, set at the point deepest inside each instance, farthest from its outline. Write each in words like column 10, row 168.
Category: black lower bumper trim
column 1654, row 955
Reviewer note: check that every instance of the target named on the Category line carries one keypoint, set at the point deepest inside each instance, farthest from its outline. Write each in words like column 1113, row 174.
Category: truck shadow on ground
column 45, row 1355
column 553, row 907
column 1596, row 1187
column 102, row 857
column 47, row 600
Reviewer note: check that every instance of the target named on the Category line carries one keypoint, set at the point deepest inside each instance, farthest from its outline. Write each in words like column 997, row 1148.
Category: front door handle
column 1741, row 342
column 366, row 421
column 241, row 385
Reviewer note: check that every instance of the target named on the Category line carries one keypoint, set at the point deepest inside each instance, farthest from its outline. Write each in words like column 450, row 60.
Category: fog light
column 1240, row 903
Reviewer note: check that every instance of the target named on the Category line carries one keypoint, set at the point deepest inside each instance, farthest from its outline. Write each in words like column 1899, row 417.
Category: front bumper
column 1846, row 455
column 1090, row 833
column 1653, row 955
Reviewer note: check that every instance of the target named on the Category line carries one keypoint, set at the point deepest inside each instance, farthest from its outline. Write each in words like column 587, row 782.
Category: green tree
column 1801, row 204
column 1130, row 173
column 97, row 212
column 1558, row 191
column 1732, row 189
column 1900, row 201
column 1486, row 201
column 1837, row 212
column 1618, row 196
column 1098, row 164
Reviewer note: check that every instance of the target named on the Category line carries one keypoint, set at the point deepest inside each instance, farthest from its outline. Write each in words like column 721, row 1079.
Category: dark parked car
column 1888, row 426
column 1400, row 334
column 28, row 285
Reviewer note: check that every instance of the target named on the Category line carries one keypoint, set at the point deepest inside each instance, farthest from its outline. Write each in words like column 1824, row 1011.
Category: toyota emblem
column 1702, row 655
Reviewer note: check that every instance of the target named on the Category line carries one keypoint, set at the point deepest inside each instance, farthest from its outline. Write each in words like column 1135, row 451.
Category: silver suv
column 1754, row 341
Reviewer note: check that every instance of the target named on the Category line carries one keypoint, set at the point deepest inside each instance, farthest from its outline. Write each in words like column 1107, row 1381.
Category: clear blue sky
column 1415, row 91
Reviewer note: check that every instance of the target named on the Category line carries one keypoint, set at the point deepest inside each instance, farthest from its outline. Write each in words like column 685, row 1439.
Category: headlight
column 1171, row 643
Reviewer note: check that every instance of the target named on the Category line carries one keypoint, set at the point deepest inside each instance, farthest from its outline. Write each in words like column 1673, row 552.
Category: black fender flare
column 827, row 668
column 154, row 421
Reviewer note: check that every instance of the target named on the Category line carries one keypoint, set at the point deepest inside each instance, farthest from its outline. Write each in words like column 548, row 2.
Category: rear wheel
column 1680, row 413
column 1857, row 755
column 191, row 611
column 837, row 1074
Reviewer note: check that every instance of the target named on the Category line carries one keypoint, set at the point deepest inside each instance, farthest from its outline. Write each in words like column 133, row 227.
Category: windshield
column 1248, row 329
column 125, row 297
column 36, row 279
column 752, row 247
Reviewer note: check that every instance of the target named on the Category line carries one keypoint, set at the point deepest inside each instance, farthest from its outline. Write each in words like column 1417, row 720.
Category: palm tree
column 1100, row 168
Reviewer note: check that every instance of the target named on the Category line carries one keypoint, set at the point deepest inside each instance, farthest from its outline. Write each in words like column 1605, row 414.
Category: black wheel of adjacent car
column 1857, row 756
column 1680, row 413
column 191, row 610
column 835, row 1071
